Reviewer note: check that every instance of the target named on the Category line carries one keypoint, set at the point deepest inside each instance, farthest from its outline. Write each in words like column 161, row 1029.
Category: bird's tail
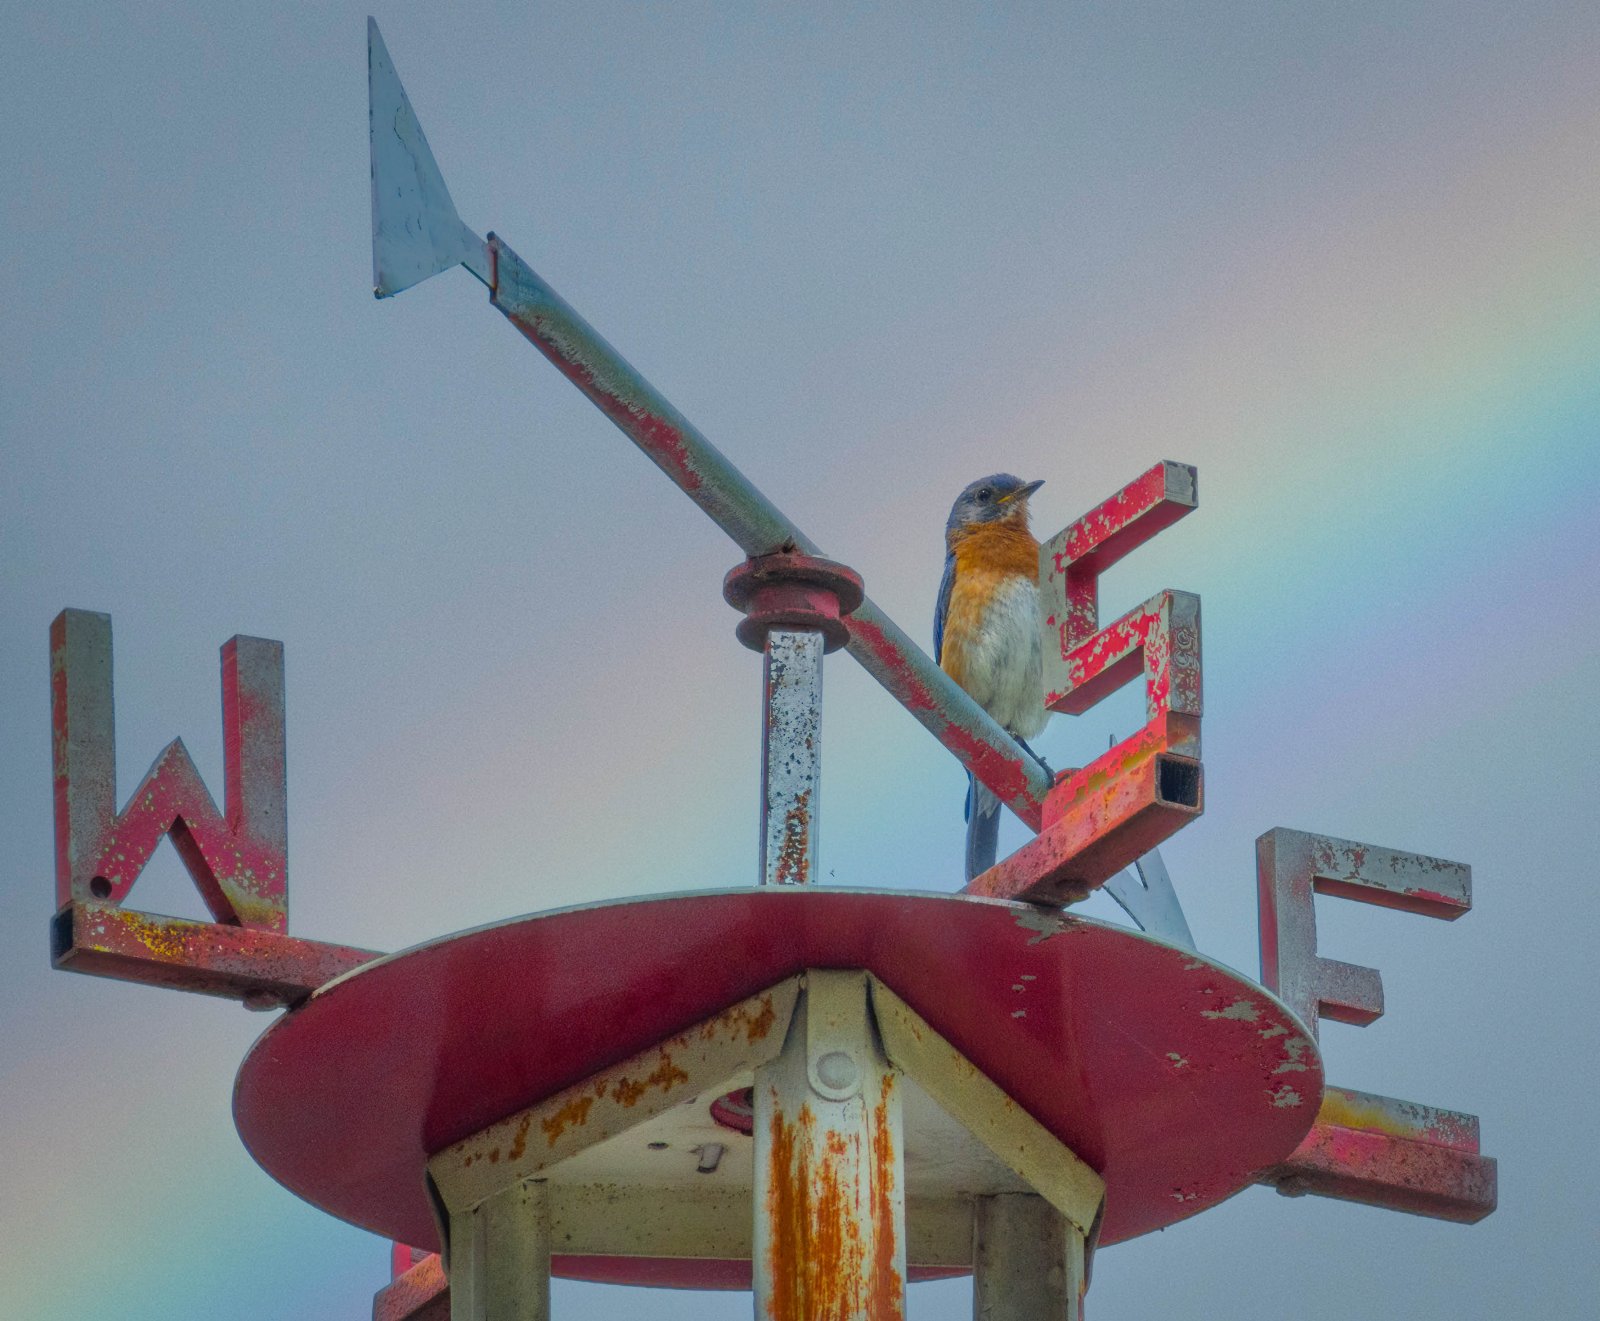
column 983, row 827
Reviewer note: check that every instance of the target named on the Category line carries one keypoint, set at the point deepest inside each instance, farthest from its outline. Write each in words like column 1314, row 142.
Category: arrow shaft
column 755, row 524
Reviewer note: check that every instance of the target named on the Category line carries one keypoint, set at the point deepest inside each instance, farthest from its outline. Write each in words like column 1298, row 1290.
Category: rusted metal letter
column 237, row 858
column 1292, row 867
column 1102, row 818
column 1364, row 1148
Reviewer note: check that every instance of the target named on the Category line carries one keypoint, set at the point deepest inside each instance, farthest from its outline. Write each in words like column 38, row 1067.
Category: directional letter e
column 237, row 858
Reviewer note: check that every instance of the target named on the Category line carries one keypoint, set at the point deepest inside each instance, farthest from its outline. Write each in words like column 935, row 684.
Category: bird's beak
column 1021, row 493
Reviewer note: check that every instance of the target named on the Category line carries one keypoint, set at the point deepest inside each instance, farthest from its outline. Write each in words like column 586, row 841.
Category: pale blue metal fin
column 1149, row 899
column 415, row 229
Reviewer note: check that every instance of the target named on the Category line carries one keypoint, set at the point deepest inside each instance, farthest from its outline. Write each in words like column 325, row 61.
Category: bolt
column 837, row 1070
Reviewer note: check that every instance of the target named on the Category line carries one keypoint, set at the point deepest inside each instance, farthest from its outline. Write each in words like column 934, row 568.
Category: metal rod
column 791, row 756
column 756, row 525
column 1027, row 1261
column 829, row 1231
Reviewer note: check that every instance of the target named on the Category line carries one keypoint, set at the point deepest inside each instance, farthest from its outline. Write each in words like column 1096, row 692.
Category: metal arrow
column 416, row 233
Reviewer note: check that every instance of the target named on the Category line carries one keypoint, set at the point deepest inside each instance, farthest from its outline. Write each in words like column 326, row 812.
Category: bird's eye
column 985, row 494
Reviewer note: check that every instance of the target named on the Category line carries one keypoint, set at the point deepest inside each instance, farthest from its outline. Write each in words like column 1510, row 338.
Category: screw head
column 838, row 1070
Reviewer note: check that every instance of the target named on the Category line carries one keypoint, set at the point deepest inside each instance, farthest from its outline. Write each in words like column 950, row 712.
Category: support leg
column 500, row 1258
column 829, row 1171
column 791, row 756
column 1027, row 1261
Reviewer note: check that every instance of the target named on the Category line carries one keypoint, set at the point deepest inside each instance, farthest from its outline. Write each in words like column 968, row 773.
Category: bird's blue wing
column 942, row 606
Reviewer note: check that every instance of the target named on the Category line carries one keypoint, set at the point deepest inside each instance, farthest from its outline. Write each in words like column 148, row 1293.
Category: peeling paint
column 1043, row 923
column 1243, row 1011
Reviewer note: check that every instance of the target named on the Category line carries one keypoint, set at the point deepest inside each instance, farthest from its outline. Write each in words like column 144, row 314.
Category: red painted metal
column 419, row 1292
column 1075, row 557
column 1142, row 1058
column 1395, row 1155
column 794, row 591
column 1098, row 829
column 237, row 858
column 265, row 969
column 1097, row 820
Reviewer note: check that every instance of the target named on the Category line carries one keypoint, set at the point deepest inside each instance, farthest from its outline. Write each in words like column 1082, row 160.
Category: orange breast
column 986, row 557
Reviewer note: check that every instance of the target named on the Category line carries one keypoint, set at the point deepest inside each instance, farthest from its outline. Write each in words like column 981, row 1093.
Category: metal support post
column 829, row 1238
column 1027, row 1261
column 500, row 1257
column 791, row 756
column 794, row 612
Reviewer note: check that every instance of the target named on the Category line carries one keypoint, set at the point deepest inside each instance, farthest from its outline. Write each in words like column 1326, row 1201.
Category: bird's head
column 998, row 498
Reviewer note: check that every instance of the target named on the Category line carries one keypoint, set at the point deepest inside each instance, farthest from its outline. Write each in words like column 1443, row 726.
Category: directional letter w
column 237, row 858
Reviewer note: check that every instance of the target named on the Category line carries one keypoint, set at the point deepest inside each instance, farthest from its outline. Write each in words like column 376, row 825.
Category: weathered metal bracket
column 1395, row 1154
column 525, row 1145
column 1017, row 1140
column 1028, row 1261
column 829, row 1193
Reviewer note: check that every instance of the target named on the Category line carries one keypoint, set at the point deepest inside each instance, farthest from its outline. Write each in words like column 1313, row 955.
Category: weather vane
column 820, row 1094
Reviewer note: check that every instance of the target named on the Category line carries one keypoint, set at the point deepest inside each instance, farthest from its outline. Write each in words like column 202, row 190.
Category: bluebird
column 986, row 629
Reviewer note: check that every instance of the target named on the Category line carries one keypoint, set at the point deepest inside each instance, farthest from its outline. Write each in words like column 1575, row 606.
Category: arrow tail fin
column 416, row 232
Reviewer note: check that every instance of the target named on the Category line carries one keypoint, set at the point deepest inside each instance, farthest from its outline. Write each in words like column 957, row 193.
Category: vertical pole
column 829, row 1242
column 791, row 755
column 500, row 1257
column 1027, row 1261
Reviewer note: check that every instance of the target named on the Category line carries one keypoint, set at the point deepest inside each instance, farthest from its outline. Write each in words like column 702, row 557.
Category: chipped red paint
column 558, row 333
column 795, row 591
column 237, row 859
column 1095, row 827
column 1392, row 1154
column 1292, row 867
column 1073, row 560
column 653, row 968
column 1161, row 640
column 1364, row 1148
column 264, row 968
column 757, row 526
column 1101, row 818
